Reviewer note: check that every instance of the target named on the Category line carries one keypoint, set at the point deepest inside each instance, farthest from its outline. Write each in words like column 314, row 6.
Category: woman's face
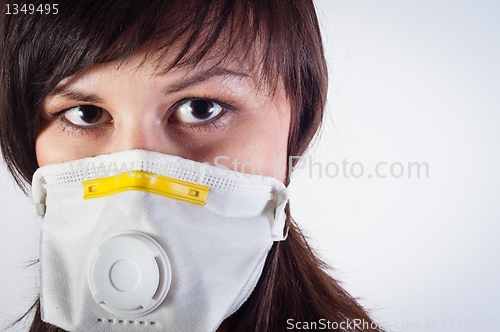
column 215, row 114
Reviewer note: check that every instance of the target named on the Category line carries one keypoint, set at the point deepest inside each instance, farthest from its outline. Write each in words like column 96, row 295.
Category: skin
column 132, row 106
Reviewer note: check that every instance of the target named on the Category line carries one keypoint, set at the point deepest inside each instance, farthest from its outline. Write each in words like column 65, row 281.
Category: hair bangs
column 187, row 33
column 262, row 37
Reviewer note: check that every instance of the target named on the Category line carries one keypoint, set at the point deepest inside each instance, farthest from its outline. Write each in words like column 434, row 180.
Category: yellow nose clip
column 149, row 182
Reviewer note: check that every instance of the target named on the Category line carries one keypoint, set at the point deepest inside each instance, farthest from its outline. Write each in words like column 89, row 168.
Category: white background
column 410, row 81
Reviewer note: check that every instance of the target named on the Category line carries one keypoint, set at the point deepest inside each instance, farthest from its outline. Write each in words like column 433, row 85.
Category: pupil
column 201, row 108
column 89, row 113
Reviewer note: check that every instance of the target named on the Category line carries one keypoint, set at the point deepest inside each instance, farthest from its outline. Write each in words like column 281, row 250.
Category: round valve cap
column 129, row 274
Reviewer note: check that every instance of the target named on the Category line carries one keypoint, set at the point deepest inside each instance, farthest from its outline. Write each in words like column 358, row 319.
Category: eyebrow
column 202, row 76
column 66, row 91
column 74, row 94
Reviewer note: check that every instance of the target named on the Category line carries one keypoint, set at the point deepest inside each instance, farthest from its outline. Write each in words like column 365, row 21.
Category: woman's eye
column 87, row 115
column 197, row 110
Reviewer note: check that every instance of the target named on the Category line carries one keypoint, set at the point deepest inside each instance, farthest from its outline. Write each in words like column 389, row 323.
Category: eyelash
column 206, row 126
column 212, row 125
column 72, row 129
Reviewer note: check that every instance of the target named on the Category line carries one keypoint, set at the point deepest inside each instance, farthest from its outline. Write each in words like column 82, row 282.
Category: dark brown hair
column 279, row 39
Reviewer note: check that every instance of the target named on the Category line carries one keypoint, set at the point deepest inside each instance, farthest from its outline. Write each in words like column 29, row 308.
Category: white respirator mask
column 139, row 238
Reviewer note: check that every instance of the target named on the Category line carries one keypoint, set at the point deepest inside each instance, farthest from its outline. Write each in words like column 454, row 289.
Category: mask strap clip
column 39, row 194
column 278, row 231
column 40, row 209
